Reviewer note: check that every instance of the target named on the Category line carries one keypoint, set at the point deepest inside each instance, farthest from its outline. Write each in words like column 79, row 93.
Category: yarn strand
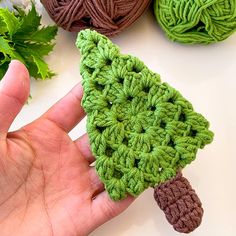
column 191, row 21
column 108, row 17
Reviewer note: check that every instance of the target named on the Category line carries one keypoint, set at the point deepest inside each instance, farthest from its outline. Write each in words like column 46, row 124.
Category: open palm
column 47, row 186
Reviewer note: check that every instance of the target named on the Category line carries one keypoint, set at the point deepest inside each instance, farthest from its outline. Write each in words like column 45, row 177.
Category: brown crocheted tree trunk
column 180, row 203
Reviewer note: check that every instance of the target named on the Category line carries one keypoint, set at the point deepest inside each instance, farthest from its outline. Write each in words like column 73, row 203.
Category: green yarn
column 196, row 21
column 141, row 130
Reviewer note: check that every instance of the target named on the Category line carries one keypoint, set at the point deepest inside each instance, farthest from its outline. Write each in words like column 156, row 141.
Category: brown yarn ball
column 180, row 203
column 108, row 17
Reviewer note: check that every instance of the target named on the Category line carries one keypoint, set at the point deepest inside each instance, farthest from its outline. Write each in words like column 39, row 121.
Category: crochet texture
column 194, row 21
column 141, row 130
column 180, row 203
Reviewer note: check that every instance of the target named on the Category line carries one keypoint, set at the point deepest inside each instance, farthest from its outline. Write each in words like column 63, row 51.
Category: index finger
column 14, row 91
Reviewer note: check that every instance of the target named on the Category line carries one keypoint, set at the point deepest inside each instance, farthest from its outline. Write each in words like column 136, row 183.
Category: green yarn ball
column 196, row 21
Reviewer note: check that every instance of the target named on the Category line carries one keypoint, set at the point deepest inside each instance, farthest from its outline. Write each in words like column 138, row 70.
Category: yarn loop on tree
column 108, row 17
column 196, row 21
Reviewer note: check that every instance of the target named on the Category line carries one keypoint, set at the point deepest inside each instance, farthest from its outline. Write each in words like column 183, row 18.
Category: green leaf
column 3, row 27
column 42, row 66
column 5, row 48
column 35, row 63
column 23, row 38
column 4, row 59
column 19, row 12
column 11, row 21
column 41, row 50
column 44, row 35
column 33, row 70
column 3, row 69
column 8, row 51
column 29, row 22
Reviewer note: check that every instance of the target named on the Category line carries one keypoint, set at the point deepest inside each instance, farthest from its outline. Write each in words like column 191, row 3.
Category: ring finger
column 96, row 185
column 84, row 147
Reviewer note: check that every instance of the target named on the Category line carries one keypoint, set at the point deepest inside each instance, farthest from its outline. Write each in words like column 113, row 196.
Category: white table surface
column 206, row 76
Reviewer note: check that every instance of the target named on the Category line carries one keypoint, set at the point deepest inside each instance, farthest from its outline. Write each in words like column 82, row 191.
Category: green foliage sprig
column 23, row 38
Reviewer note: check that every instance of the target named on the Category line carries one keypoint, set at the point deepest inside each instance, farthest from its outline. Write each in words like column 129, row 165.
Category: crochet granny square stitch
column 141, row 130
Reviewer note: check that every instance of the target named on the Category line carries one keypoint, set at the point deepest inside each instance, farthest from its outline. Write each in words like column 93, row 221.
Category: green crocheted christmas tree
column 141, row 130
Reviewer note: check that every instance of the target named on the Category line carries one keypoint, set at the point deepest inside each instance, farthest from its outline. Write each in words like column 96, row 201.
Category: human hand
column 47, row 186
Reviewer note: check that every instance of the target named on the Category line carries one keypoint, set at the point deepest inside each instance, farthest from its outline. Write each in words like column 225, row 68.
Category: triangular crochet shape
column 141, row 130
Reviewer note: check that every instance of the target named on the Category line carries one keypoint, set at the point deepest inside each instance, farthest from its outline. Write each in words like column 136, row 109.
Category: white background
column 206, row 76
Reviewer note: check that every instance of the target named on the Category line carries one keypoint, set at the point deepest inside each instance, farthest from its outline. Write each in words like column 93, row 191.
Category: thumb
column 14, row 91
